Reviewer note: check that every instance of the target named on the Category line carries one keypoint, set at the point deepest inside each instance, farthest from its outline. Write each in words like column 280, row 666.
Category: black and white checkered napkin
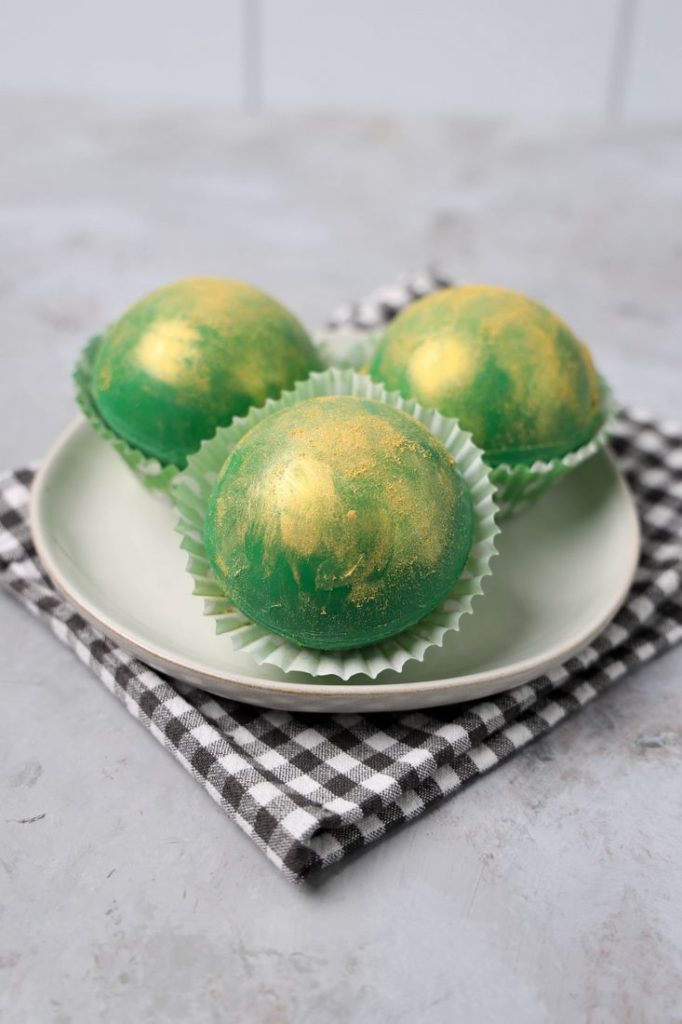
column 310, row 789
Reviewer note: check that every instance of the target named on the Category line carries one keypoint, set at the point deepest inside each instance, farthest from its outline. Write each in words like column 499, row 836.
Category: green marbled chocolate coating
column 510, row 370
column 338, row 522
column 190, row 357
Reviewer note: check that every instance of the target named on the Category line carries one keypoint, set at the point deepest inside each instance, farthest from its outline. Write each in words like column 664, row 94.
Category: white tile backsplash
column 490, row 57
column 148, row 50
column 654, row 88
column 587, row 59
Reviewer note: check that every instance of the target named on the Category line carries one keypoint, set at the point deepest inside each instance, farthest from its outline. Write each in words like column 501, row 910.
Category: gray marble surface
column 548, row 891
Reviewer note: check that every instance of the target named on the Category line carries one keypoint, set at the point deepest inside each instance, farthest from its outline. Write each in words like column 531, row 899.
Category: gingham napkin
column 309, row 789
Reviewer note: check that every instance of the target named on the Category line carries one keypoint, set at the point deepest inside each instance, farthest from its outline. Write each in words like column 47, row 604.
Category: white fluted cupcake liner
column 191, row 491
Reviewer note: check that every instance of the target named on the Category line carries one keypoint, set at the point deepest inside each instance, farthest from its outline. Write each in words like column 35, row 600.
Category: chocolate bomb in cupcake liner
column 355, row 510
column 512, row 373
column 183, row 361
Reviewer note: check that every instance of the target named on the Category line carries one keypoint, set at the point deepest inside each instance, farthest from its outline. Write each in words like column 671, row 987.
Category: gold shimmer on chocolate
column 510, row 370
column 189, row 357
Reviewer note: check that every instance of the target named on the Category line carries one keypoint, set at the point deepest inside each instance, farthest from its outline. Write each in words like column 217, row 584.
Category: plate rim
column 508, row 677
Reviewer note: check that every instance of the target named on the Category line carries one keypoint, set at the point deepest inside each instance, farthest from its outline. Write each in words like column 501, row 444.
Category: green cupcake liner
column 151, row 473
column 520, row 486
column 191, row 492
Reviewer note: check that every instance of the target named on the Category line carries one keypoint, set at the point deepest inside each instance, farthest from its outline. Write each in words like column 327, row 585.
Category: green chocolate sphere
column 338, row 522
column 510, row 370
column 188, row 358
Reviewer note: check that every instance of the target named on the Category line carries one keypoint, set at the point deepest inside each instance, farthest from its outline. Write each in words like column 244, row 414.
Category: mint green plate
column 110, row 546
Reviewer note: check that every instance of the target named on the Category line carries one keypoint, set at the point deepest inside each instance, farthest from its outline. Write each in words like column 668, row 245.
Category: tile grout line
column 252, row 66
column 620, row 70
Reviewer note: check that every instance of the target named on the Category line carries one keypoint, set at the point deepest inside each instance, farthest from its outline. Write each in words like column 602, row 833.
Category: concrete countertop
column 550, row 889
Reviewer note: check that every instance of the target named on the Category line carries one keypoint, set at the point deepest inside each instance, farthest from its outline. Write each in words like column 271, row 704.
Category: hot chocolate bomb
column 338, row 522
column 510, row 370
column 190, row 357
